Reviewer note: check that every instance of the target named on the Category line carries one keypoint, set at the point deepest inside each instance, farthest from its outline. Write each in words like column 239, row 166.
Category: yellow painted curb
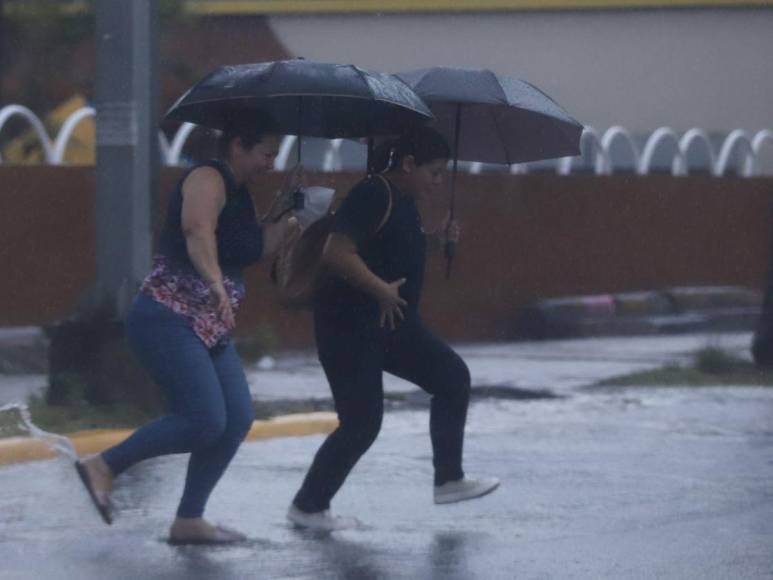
column 296, row 425
column 23, row 449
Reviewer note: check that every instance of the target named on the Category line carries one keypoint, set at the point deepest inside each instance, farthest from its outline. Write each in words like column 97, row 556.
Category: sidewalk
column 558, row 367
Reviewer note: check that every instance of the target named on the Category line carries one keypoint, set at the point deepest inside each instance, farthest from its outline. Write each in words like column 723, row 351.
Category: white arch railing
column 332, row 160
column 616, row 132
column 658, row 136
column 737, row 139
column 10, row 111
column 63, row 138
column 695, row 135
column 740, row 147
column 285, row 148
column 591, row 140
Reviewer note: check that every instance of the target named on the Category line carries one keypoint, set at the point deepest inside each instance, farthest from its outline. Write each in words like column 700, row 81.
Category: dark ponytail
column 423, row 143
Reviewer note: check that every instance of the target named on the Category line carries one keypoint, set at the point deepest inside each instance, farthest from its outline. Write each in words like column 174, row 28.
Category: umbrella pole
column 300, row 129
column 299, row 201
column 369, row 161
column 451, row 245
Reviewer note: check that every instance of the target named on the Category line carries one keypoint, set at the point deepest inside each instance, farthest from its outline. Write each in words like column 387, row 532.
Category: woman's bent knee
column 362, row 432
column 240, row 423
column 205, row 432
column 457, row 382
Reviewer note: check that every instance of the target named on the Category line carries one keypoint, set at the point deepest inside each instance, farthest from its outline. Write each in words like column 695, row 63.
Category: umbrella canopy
column 306, row 98
column 498, row 119
column 493, row 118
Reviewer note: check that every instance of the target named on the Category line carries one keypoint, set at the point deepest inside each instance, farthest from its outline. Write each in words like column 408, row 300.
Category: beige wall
column 638, row 68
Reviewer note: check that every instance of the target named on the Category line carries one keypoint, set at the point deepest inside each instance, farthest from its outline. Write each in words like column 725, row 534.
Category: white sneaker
column 465, row 488
column 321, row 520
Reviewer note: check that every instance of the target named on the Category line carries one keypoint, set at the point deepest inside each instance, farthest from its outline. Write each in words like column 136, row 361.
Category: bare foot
column 200, row 531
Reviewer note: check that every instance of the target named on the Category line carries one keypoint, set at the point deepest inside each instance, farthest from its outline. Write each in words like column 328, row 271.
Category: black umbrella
column 305, row 98
column 493, row 118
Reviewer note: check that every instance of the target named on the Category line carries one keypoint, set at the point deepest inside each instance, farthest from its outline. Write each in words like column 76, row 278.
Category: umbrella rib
column 337, row 96
column 272, row 70
column 364, row 80
column 493, row 75
column 360, row 74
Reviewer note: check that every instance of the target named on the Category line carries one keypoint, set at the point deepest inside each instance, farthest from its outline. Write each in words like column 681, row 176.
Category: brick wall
column 524, row 238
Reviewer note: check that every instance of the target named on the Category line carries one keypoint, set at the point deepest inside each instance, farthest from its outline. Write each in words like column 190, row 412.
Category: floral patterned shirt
column 189, row 295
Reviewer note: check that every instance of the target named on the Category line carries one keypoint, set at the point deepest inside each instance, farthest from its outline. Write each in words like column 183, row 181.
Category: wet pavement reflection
column 637, row 483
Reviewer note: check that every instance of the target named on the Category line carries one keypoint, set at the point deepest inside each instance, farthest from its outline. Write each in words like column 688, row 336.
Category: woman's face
column 259, row 159
column 427, row 178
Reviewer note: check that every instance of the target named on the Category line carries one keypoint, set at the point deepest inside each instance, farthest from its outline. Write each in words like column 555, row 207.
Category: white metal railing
column 741, row 147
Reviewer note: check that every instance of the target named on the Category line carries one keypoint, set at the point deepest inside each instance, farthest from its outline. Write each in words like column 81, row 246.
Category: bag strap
column 388, row 213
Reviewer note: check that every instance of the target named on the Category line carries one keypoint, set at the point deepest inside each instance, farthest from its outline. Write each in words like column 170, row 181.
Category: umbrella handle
column 450, row 244
column 450, row 251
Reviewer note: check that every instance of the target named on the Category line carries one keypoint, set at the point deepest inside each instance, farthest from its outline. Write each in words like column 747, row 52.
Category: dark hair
column 250, row 130
column 425, row 144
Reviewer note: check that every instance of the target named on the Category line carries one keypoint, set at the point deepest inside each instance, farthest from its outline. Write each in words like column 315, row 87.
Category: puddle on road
column 419, row 399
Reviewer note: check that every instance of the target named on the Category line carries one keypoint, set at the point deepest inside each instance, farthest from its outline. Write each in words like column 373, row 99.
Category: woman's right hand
column 390, row 304
column 222, row 303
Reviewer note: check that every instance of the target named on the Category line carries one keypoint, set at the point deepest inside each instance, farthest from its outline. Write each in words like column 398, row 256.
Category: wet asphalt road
column 641, row 483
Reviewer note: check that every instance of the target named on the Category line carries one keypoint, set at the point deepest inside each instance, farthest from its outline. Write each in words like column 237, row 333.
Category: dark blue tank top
column 238, row 234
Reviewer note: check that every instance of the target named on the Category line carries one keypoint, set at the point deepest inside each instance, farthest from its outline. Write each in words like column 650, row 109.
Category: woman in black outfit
column 367, row 321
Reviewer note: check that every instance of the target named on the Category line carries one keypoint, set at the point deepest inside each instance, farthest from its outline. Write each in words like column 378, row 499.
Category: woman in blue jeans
column 179, row 327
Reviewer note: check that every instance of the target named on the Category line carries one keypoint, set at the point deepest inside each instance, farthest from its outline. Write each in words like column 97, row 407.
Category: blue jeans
column 208, row 401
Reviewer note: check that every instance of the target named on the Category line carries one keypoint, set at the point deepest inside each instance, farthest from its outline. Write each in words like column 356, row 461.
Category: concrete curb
column 23, row 449
column 670, row 310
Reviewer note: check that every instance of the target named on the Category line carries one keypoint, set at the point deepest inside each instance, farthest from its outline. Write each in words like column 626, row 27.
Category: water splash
column 60, row 444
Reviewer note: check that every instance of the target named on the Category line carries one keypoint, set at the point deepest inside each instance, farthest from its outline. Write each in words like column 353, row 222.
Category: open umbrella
column 305, row 98
column 493, row 118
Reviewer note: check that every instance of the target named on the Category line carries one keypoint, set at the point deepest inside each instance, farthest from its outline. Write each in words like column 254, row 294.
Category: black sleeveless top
column 238, row 234
column 395, row 251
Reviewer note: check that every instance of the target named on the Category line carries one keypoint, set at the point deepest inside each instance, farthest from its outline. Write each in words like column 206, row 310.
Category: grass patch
column 710, row 367
column 70, row 418
column 66, row 419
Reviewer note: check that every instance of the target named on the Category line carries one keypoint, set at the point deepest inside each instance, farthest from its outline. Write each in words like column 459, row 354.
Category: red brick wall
column 524, row 237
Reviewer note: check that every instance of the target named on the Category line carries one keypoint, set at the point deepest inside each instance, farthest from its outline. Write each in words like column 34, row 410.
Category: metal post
column 89, row 351
column 127, row 147
column 3, row 43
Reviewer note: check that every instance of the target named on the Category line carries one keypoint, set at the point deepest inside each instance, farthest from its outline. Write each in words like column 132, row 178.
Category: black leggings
column 354, row 357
